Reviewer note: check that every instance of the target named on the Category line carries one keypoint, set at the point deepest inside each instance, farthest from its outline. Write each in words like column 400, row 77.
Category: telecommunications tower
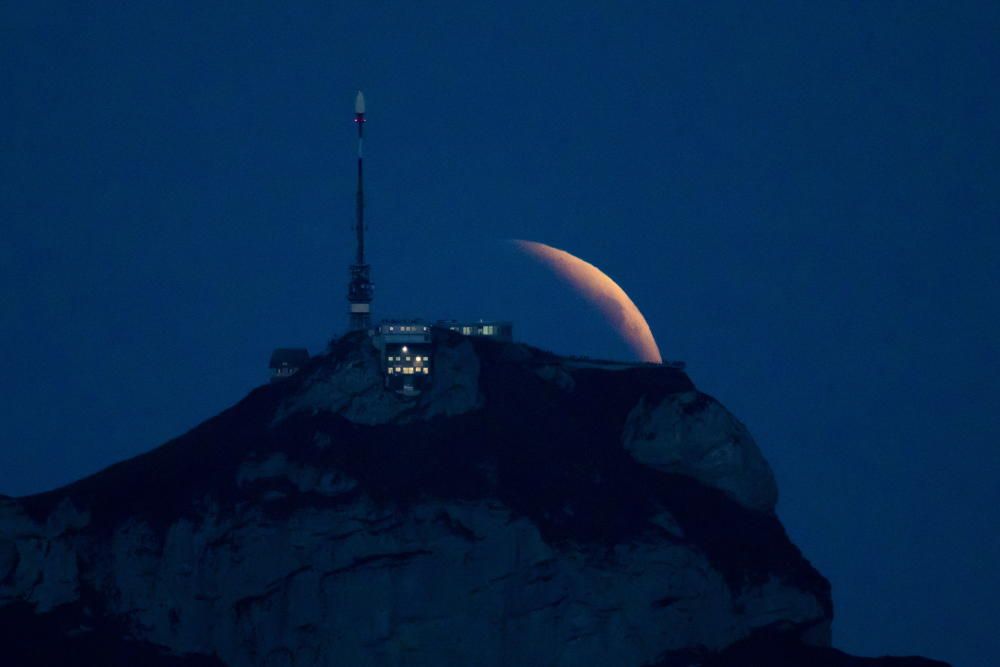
column 360, row 291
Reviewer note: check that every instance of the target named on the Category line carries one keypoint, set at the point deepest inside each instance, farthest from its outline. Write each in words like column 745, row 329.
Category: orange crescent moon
column 598, row 288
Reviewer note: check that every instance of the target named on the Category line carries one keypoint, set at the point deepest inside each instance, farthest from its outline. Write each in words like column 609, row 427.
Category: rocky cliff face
column 526, row 510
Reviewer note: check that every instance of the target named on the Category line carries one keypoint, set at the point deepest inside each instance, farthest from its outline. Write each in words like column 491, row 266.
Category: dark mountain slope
column 527, row 509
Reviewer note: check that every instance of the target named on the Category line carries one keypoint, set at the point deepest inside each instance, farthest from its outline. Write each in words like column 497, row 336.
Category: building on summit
column 406, row 347
column 481, row 329
column 286, row 362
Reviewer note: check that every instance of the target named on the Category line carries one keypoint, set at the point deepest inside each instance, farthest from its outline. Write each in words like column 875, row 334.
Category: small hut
column 286, row 362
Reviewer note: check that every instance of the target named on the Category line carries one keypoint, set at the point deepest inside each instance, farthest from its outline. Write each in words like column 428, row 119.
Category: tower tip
column 359, row 103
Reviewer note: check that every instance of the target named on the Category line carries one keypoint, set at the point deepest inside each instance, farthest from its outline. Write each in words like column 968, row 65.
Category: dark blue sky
column 802, row 198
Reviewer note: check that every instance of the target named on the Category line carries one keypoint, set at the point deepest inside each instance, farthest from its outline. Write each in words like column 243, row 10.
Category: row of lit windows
column 418, row 359
column 407, row 370
column 485, row 330
column 409, row 328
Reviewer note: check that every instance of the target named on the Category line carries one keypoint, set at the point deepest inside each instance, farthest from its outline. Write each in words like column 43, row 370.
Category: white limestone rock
column 354, row 388
column 291, row 548
column 441, row 583
column 303, row 478
column 692, row 434
column 558, row 375
column 8, row 558
column 40, row 558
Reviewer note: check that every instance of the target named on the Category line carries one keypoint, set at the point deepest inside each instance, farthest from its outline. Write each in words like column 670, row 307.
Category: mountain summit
column 526, row 509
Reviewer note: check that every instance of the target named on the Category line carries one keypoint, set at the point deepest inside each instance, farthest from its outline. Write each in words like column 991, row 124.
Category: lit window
column 389, row 370
column 398, row 369
column 425, row 370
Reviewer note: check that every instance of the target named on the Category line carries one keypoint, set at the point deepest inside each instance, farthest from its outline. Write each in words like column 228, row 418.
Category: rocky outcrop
column 525, row 510
column 438, row 583
column 692, row 434
column 352, row 388
column 8, row 558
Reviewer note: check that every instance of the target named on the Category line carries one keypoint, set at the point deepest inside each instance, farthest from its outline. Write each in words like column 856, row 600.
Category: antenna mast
column 360, row 291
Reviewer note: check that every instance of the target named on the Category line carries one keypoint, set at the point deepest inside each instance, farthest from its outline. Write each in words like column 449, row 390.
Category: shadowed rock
column 526, row 510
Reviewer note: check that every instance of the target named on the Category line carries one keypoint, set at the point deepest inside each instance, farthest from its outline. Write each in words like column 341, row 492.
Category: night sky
column 802, row 199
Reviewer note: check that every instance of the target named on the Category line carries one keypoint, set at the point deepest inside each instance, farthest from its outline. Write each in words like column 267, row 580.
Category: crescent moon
column 603, row 292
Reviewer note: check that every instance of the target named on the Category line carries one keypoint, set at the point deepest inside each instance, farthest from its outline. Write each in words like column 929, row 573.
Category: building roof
column 473, row 323
column 283, row 357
